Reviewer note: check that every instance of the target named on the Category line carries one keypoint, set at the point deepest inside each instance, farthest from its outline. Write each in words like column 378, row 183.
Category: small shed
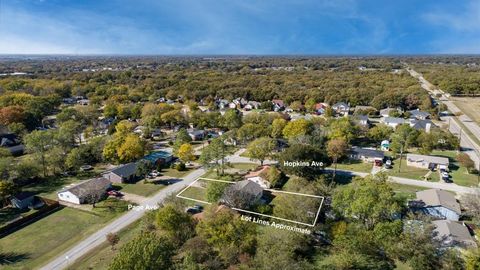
column 22, row 200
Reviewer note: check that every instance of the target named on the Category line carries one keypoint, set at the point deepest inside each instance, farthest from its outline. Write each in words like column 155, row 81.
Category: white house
column 393, row 121
column 341, row 108
column 437, row 203
column 259, row 177
column 79, row 193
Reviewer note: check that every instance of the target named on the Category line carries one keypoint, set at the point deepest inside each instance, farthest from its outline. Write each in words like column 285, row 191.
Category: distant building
column 453, row 234
column 159, row 158
column 420, row 115
column 259, row 177
column 361, row 119
column 196, row 134
column 366, row 155
column 341, row 108
column 320, row 108
column 436, row 203
column 393, row 121
column 245, row 189
column 123, row 173
column 12, row 143
column 278, row 105
column 425, row 125
column 427, row 162
column 80, row 193
column 387, row 111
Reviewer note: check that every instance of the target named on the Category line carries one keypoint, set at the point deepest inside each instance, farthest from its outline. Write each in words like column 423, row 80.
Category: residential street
column 83, row 247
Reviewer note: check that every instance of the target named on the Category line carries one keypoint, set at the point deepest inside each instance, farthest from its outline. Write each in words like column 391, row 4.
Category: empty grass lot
column 100, row 257
column 36, row 244
column 140, row 188
column 354, row 165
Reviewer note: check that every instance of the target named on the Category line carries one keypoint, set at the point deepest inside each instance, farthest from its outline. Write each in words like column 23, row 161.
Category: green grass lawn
column 405, row 191
column 174, row 172
column 243, row 166
column 140, row 188
column 411, row 172
column 195, row 193
column 458, row 173
column 354, row 165
column 39, row 242
column 100, row 257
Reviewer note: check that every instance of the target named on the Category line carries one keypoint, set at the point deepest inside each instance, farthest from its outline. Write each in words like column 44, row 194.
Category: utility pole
column 401, row 155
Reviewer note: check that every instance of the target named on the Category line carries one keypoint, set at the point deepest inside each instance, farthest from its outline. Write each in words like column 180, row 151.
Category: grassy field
column 405, row 191
column 458, row 173
column 469, row 106
column 411, row 172
column 356, row 166
column 39, row 242
column 140, row 188
column 100, row 257
column 195, row 193
column 174, row 172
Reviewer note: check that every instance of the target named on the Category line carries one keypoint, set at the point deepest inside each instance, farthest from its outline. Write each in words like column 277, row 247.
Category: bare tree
column 471, row 203
column 112, row 239
column 233, row 197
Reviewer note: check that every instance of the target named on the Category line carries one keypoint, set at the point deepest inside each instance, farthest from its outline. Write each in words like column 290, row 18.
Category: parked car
column 85, row 168
column 444, row 174
column 114, row 193
column 194, row 209
column 388, row 164
column 378, row 163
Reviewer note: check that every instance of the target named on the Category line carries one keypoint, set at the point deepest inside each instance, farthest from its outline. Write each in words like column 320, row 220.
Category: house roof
column 421, row 124
column 393, row 120
column 23, row 195
column 195, row 132
column 258, row 172
column 417, row 113
column 387, row 111
column 248, row 187
column 430, row 159
column 438, row 197
column 154, row 156
column 361, row 117
column 125, row 170
column 454, row 231
column 340, row 104
column 278, row 102
column 367, row 152
column 86, row 187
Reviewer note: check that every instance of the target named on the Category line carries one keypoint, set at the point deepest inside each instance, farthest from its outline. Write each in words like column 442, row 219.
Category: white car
column 444, row 174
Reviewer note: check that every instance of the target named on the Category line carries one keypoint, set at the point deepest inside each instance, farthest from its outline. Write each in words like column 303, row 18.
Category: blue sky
column 239, row 26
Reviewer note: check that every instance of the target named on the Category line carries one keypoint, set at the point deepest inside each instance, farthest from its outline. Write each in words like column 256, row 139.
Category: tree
column 39, row 142
column 215, row 190
column 261, row 148
column 277, row 127
column 296, row 106
column 380, row 132
column 466, row 161
column 235, row 198
column 336, row 149
column 7, row 189
column 112, row 239
column 213, row 155
column 181, row 138
column 232, row 119
column 342, row 128
column 369, row 200
column 472, row 259
column 144, row 252
column 471, row 204
column 274, row 176
column 11, row 114
column 175, row 224
column 305, row 155
column 131, row 149
column 226, row 233
column 296, row 128
column 186, row 152
column 401, row 139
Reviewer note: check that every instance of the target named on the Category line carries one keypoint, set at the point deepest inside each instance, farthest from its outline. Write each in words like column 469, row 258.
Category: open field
column 100, row 257
column 469, row 105
column 41, row 241
column 140, row 188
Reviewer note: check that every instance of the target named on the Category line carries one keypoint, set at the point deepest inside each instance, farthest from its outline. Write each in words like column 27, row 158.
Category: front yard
column 140, row 188
column 354, row 165
column 39, row 242
column 411, row 172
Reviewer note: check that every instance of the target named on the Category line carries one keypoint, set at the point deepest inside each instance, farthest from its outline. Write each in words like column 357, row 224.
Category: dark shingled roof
column 126, row 170
column 23, row 195
column 367, row 152
column 248, row 187
column 88, row 186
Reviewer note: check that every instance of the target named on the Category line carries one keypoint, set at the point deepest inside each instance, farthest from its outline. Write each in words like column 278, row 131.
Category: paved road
column 468, row 144
column 406, row 181
column 94, row 240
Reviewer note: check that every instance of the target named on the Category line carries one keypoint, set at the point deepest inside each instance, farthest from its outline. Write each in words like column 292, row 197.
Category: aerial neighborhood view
column 239, row 135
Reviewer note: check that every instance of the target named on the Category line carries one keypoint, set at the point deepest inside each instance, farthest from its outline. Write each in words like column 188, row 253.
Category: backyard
column 34, row 245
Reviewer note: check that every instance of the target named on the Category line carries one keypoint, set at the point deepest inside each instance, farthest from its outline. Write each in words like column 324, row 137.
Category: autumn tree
column 186, row 153
column 261, row 148
column 131, row 149
column 336, row 149
column 176, row 225
column 11, row 114
column 277, row 127
column 39, row 142
column 296, row 128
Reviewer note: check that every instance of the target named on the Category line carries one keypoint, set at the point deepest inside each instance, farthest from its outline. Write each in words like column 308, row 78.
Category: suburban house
column 252, row 105
column 453, row 234
column 420, row 115
column 81, row 192
column 427, row 162
column 241, row 102
column 361, row 119
column 393, row 121
column 259, row 177
column 365, row 154
column 422, row 124
column 123, row 173
column 12, row 143
column 278, row 105
column 387, row 111
column 196, row 134
column 22, row 200
column 341, row 108
column 159, row 158
column 246, row 187
column 437, row 203
column 222, row 103
column 320, row 108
